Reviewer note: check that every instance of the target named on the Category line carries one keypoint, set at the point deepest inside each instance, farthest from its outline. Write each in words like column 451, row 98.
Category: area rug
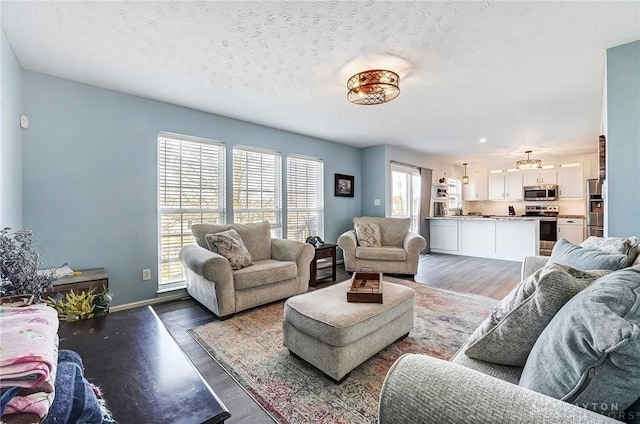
column 249, row 347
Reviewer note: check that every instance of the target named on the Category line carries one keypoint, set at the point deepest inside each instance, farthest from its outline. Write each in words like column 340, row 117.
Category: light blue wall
column 373, row 159
column 90, row 175
column 623, row 139
column 10, row 138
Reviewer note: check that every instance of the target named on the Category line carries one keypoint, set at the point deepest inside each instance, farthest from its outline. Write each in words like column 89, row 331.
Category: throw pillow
column 614, row 245
column 368, row 234
column 508, row 335
column 566, row 253
column 229, row 244
column 589, row 354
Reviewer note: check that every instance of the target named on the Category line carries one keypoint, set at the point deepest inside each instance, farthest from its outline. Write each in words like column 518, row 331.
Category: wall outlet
column 376, row 202
column 146, row 274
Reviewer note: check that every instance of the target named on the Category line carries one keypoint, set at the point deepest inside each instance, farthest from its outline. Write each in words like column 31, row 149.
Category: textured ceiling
column 525, row 75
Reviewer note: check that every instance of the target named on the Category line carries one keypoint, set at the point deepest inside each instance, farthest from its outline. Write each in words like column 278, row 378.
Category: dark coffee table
column 144, row 375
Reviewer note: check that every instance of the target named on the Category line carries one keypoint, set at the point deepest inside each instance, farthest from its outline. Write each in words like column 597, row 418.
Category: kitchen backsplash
column 567, row 207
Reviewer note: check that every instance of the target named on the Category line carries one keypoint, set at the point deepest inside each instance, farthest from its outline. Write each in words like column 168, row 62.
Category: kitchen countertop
column 487, row 217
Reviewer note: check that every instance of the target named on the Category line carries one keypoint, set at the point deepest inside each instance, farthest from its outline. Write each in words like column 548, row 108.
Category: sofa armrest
column 295, row 251
column 206, row 263
column 414, row 242
column 348, row 243
column 422, row 389
column 531, row 264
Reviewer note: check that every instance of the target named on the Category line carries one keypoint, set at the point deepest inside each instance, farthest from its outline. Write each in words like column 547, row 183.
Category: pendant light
column 529, row 163
column 465, row 177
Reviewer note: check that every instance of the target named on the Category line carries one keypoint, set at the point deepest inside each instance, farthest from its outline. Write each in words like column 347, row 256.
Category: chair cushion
column 266, row 271
column 256, row 236
column 589, row 354
column 614, row 245
column 566, row 253
column 392, row 230
column 229, row 244
column 368, row 234
column 508, row 335
column 385, row 253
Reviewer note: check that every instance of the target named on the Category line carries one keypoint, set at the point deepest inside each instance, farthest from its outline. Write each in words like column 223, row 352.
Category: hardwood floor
column 485, row 277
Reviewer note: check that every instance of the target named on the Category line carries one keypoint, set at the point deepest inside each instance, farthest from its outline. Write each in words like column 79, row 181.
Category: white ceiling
column 525, row 75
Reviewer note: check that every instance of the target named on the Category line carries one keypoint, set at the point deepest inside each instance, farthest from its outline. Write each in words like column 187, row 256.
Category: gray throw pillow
column 508, row 335
column 589, row 354
column 614, row 245
column 230, row 245
column 566, row 253
column 368, row 234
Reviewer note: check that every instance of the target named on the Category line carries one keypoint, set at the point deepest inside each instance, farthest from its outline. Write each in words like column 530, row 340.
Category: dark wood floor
column 485, row 277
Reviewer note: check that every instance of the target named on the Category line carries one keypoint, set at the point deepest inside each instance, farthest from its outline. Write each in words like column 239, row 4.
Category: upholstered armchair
column 279, row 269
column 382, row 244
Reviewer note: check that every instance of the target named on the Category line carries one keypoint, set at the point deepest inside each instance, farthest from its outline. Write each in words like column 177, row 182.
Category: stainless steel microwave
column 541, row 192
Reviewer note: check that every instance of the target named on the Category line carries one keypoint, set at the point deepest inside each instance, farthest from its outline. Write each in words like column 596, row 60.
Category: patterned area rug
column 249, row 347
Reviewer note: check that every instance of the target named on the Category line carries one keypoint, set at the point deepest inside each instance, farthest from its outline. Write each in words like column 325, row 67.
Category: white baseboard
column 169, row 296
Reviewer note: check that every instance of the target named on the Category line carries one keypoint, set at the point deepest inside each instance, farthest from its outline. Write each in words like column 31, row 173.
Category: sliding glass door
column 405, row 193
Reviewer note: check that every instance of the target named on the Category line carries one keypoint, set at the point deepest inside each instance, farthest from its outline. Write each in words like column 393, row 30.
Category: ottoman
column 336, row 336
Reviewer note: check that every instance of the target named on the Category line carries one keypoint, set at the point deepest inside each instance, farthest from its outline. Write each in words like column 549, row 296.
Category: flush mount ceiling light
column 373, row 87
column 529, row 163
column 465, row 177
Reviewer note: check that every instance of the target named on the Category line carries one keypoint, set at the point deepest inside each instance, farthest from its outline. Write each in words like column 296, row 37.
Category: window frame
column 290, row 179
column 414, row 203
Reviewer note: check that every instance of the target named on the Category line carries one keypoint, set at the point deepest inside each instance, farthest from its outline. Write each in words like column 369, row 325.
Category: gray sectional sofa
column 423, row 389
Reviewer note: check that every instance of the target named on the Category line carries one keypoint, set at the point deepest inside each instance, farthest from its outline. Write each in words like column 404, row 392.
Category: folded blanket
column 75, row 400
column 29, row 341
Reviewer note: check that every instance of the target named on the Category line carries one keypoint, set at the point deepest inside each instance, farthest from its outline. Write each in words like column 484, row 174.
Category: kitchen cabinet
column 570, row 182
column 571, row 229
column 505, row 186
column 478, row 237
column 516, row 239
column 539, row 177
column 477, row 188
column 443, row 234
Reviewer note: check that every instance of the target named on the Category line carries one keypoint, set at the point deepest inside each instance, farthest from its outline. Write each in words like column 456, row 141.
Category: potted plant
column 19, row 262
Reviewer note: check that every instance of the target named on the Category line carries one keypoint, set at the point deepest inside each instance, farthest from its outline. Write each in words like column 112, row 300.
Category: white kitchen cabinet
column 505, row 186
column 570, row 182
column 516, row 239
column 443, row 235
column 478, row 237
column 571, row 229
column 539, row 177
column 477, row 188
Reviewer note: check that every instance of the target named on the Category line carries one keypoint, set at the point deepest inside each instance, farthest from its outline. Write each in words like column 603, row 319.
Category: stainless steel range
column 548, row 215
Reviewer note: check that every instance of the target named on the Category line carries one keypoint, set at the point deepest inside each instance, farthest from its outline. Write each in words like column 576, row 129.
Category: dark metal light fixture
column 373, row 87
column 529, row 163
column 465, row 177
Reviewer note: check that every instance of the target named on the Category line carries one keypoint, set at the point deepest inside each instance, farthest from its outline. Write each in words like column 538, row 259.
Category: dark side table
column 326, row 250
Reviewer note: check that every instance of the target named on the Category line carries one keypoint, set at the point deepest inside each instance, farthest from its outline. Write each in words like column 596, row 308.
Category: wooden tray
column 366, row 287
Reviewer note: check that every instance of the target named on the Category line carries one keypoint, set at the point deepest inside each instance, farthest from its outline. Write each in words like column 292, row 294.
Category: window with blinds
column 305, row 198
column 191, row 190
column 257, row 188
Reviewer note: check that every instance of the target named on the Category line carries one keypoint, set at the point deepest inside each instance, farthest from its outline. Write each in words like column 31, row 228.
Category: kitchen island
column 508, row 238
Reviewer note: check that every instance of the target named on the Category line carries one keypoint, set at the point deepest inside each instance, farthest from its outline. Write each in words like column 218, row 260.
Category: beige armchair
column 280, row 269
column 399, row 251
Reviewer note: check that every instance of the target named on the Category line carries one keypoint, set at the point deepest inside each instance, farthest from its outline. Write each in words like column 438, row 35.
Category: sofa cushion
column 566, row 253
column 392, row 230
column 614, row 245
column 229, row 244
column 256, row 236
column 507, row 336
column 368, row 234
column 589, row 354
column 266, row 271
column 385, row 253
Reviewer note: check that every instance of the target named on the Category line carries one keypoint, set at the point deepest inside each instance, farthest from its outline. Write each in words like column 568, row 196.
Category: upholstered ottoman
column 336, row 336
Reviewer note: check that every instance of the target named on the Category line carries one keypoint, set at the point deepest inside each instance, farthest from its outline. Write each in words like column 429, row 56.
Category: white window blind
column 455, row 193
column 405, row 193
column 257, row 187
column 191, row 190
column 305, row 198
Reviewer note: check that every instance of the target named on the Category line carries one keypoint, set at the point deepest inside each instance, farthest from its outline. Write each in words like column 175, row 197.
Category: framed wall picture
column 344, row 185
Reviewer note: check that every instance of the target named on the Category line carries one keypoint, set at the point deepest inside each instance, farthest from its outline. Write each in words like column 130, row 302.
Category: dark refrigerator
column 595, row 208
